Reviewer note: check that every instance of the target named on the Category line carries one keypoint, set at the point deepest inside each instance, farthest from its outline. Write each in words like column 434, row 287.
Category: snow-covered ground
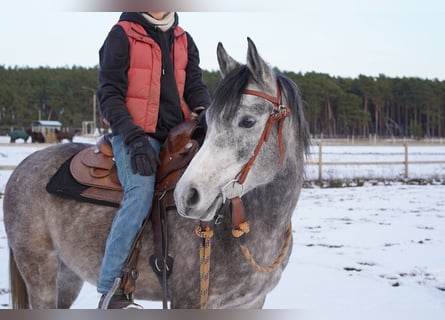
column 376, row 251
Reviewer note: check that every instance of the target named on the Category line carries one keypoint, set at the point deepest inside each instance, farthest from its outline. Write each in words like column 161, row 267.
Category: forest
column 335, row 107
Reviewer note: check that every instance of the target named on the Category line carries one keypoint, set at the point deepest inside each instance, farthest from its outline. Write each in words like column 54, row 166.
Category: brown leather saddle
column 94, row 166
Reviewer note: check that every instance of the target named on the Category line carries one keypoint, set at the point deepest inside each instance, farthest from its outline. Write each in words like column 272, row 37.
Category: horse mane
column 293, row 97
column 228, row 93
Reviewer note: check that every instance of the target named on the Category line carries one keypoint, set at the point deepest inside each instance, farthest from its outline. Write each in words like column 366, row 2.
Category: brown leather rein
column 240, row 226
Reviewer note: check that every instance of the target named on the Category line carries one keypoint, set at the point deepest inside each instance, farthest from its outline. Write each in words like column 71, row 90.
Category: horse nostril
column 193, row 197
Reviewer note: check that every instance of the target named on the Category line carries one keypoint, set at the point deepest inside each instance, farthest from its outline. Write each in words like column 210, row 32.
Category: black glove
column 199, row 114
column 144, row 159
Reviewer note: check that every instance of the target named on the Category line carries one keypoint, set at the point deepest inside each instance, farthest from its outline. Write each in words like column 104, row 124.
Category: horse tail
column 19, row 293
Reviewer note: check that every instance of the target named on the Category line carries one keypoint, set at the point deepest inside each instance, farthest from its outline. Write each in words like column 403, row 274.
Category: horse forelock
column 227, row 96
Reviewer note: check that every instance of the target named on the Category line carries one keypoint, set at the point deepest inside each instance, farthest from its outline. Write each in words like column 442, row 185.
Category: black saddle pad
column 63, row 184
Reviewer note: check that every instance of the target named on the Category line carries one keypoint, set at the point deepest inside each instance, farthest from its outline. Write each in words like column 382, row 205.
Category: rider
column 150, row 81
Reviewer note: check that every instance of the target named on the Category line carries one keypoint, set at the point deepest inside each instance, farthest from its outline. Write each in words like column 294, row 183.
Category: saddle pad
column 63, row 184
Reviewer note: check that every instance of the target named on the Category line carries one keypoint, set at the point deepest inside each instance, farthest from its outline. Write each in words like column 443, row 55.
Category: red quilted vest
column 144, row 74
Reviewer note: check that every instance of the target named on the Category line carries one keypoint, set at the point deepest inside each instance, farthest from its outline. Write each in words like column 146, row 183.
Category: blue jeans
column 135, row 206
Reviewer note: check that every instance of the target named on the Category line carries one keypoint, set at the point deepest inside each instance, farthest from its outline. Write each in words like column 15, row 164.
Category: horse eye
column 247, row 122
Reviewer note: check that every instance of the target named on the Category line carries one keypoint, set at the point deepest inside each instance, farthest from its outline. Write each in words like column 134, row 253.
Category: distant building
column 47, row 128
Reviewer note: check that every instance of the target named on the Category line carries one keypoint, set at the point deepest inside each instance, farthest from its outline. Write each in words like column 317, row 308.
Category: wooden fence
column 406, row 162
column 321, row 163
column 7, row 167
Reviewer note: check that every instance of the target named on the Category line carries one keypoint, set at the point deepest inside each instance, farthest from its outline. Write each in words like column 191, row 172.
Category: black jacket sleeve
column 195, row 92
column 113, row 80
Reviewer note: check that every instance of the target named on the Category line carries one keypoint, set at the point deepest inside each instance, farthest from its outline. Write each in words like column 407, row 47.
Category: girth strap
column 160, row 261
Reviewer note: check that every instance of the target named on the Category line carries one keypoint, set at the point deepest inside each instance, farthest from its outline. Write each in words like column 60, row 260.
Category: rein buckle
column 279, row 112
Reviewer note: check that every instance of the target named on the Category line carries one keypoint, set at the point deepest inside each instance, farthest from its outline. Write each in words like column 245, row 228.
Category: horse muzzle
column 194, row 204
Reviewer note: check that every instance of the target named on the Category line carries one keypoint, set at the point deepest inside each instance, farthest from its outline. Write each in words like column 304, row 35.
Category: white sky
column 398, row 38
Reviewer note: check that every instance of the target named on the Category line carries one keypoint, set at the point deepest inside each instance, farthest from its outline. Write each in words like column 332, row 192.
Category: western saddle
column 94, row 167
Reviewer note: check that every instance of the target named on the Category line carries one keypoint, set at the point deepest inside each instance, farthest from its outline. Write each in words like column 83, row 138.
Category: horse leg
column 39, row 276
column 69, row 285
column 19, row 293
column 259, row 303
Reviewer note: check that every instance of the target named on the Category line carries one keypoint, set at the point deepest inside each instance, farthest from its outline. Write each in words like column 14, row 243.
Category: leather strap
column 275, row 100
column 279, row 113
column 160, row 261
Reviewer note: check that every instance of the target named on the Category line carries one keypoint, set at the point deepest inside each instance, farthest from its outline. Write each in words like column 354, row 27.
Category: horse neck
column 272, row 204
column 277, row 199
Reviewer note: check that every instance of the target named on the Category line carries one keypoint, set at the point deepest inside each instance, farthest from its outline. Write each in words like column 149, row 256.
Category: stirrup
column 111, row 300
column 105, row 299
column 119, row 301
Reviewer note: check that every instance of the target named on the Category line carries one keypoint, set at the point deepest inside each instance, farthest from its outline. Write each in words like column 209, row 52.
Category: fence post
column 406, row 160
column 320, row 163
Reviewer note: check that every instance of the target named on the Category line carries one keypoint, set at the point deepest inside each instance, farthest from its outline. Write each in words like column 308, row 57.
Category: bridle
column 278, row 113
column 240, row 226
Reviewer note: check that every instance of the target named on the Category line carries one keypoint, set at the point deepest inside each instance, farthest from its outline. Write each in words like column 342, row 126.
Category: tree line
column 382, row 106
column 334, row 106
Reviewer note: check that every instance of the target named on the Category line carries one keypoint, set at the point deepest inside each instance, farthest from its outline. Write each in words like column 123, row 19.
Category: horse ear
column 226, row 62
column 260, row 70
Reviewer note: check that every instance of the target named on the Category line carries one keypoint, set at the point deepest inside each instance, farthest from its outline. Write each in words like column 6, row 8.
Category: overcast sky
column 398, row 38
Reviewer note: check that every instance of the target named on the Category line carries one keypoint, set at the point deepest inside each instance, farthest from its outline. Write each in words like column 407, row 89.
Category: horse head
column 242, row 151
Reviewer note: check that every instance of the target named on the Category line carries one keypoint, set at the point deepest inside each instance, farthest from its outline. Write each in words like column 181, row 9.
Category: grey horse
column 56, row 244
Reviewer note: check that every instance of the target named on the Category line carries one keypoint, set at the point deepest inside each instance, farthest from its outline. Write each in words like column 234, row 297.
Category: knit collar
column 164, row 24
